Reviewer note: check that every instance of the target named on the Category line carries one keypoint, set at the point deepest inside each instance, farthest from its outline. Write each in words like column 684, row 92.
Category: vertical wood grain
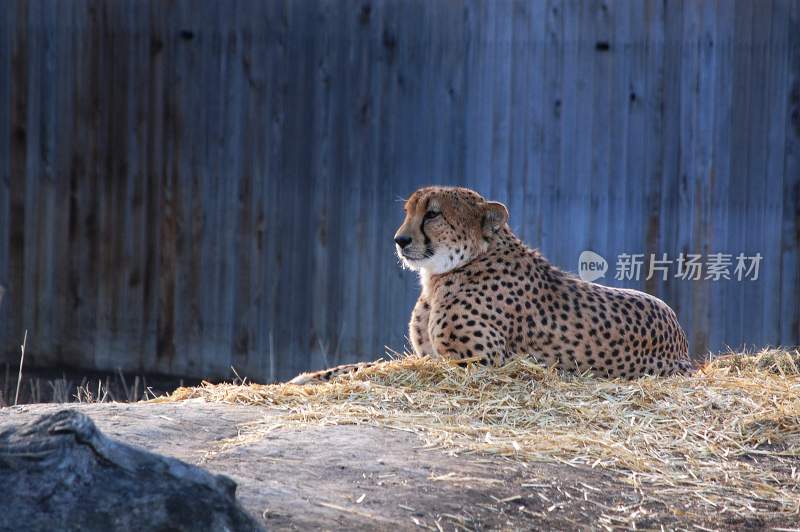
column 190, row 186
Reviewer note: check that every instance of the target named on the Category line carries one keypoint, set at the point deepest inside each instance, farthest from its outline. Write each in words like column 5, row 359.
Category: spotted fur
column 487, row 297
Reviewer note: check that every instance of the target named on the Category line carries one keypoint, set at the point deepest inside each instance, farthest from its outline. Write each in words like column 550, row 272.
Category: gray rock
column 60, row 473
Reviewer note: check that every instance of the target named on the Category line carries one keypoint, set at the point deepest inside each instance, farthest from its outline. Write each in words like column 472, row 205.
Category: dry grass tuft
column 728, row 436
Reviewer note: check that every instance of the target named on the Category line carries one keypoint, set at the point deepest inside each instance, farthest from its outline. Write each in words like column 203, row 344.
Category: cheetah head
column 446, row 228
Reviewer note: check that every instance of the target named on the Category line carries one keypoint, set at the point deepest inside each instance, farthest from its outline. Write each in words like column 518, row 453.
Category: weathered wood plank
column 549, row 193
column 776, row 103
column 790, row 231
column 18, row 124
column 736, row 308
column 720, row 238
column 6, row 40
column 603, row 40
column 624, row 91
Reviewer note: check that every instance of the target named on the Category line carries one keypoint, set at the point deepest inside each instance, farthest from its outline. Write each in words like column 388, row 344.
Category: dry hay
column 728, row 436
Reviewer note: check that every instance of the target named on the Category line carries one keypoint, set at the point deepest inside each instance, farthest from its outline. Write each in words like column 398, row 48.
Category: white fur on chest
column 425, row 281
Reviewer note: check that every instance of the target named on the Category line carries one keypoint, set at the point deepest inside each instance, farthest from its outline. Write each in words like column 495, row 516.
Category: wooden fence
column 191, row 185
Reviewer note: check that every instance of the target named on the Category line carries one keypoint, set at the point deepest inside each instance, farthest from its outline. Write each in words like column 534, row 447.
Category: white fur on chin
column 442, row 261
column 438, row 264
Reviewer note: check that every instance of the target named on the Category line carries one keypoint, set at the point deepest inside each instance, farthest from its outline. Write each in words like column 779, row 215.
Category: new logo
column 591, row 266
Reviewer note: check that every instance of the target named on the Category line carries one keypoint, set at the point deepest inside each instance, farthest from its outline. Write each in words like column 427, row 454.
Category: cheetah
column 487, row 297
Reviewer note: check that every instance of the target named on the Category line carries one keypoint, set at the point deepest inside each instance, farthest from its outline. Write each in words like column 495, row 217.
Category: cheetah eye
column 430, row 215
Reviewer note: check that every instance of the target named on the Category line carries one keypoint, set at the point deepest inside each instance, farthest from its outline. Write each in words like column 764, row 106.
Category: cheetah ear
column 495, row 216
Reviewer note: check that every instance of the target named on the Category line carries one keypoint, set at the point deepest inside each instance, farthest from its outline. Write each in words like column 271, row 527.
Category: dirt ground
column 366, row 478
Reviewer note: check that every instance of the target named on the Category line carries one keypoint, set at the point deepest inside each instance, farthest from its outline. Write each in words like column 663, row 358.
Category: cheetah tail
column 326, row 375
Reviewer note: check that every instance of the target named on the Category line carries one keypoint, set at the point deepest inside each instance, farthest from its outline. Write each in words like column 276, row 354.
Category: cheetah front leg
column 418, row 330
column 457, row 335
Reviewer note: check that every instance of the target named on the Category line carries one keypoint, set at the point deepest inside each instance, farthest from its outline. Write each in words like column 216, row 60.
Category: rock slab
column 61, row 473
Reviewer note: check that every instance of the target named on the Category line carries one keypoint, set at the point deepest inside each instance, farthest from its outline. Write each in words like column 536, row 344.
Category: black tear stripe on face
column 428, row 246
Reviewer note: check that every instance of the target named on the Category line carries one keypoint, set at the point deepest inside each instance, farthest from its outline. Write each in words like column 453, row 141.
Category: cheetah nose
column 402, row 241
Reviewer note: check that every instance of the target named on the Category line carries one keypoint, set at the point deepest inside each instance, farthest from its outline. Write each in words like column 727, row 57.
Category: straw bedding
column 728, row 436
